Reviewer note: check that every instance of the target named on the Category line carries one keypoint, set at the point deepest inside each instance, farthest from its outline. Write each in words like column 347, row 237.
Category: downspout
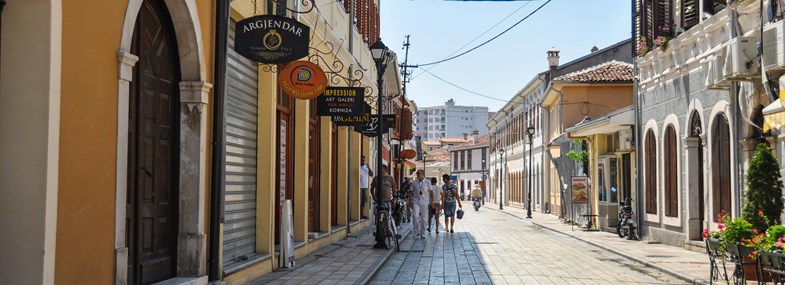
column 219, row 137
column 637, row 128
column 349, row 145
column 737, row 122
column 2, row 5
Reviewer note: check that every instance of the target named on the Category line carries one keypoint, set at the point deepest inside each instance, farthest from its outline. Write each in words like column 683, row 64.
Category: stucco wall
column 602, row 100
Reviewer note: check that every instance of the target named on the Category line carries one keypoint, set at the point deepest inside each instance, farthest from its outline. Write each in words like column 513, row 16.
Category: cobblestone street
column 492, row 247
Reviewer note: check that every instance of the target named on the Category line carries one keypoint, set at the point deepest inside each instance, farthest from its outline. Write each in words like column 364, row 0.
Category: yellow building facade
column 107, row 113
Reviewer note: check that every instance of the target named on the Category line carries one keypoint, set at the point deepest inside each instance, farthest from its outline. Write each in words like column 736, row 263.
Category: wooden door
column 720, row 165
column 284, row 157
column 334, row 180
column 152, row 149
column 313, row 171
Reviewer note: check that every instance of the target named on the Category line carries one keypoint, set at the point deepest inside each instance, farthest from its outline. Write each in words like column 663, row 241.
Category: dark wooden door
column 720, row 165
column 334, row 180
column 152, row 149
column 313, row 172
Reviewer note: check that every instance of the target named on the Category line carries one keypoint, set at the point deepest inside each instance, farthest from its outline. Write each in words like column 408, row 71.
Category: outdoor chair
column 738, row 256
column 717, row 270
column 772, row 264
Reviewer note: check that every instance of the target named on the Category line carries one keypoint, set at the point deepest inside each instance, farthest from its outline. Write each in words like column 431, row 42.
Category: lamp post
column 501, row 179
column 379, row 52
column 484, row 185
column 530, row 132
column 424, row 155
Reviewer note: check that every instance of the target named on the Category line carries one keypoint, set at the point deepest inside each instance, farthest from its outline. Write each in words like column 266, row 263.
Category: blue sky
column 502, row 67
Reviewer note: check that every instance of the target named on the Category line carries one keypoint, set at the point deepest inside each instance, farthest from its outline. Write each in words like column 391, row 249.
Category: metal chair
column 736, row 255
column 716, row 259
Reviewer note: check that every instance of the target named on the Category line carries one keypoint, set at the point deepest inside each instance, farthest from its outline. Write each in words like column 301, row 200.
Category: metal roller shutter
column 239, row 240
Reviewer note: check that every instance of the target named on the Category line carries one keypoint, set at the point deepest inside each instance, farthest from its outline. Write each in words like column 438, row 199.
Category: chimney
column 594, row 49
column 475, row 136
column 465, row 136
column 553, row 58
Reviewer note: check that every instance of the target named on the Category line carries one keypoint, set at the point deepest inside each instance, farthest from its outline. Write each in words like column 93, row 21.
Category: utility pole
column 405, row 73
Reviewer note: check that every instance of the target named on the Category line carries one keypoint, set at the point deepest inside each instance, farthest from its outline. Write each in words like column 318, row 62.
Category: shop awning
column 613, row 122
column 410, row 163
column 773, row 116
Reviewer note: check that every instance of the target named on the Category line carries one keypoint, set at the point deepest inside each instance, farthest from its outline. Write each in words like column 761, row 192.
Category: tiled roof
column 453, row 140
column 438, row 155
column 434, row 143
column 484, row 139
column 612, row 71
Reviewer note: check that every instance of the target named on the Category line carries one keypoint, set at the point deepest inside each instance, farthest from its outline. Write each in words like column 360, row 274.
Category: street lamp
column 379, row 52
column 530, row 132
column 484, row 185
column 501, row 179
column 424, row 154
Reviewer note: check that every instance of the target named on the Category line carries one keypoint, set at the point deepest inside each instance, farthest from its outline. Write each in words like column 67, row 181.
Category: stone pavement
column 684, row 264
column 491, row 247
column 352, row 261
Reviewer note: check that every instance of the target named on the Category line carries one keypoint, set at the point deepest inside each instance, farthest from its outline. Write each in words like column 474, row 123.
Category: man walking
column 365, row 171
column 450, row 198
column 419, row 198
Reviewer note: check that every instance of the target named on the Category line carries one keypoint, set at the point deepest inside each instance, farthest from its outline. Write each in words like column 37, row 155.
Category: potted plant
column 763, row 198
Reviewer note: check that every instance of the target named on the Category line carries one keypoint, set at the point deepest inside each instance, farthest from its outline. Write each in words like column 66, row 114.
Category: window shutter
column 651, row 170
column 689, row 14
column 663, row 16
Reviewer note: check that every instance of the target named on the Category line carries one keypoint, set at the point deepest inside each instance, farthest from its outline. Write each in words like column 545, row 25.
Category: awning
column 773, row 116
column 410, row 163
column 613, row 122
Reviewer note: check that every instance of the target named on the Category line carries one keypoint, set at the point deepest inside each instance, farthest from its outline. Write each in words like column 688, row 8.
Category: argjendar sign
column 271, row 39
column 341, row 101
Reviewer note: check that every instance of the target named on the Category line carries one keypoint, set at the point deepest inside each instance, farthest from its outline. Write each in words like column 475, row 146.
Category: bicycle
column 387, row 223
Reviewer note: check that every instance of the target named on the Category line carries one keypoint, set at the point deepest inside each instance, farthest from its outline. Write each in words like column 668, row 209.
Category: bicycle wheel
column 390, row 235
column 394, row 235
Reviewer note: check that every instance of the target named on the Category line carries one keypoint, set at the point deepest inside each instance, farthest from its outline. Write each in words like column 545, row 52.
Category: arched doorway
column 697, row 211
column 720, row 165
column 153, row 150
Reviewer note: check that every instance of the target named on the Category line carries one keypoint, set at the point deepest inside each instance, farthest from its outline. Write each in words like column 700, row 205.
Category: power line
column 464, row 89
column 478, row 36
column 488, row 41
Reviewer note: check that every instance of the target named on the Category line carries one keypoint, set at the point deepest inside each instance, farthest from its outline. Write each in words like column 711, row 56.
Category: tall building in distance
column 450, row 120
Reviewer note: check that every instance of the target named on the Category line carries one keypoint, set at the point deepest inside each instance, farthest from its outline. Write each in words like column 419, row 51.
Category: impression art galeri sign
column 272, row 39
column 341, row 101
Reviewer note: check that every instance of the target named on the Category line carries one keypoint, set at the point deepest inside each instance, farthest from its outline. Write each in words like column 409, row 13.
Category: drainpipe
column 219, row 137
column 2, row 5
column 349, row 174
column 737, row 123
column 637, row 128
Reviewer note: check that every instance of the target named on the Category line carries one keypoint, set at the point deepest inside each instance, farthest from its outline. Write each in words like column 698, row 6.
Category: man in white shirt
column 365, row 171
column 420, row 199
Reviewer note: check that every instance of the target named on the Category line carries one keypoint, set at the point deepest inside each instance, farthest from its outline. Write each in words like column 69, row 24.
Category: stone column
column 191, row 238
column 693, row 146
column 127, row 62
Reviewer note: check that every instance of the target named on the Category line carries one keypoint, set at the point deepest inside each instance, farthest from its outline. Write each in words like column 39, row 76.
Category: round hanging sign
column 303, row 80
column 408, row 153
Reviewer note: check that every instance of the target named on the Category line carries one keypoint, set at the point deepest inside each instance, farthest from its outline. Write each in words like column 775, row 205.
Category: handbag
column 459, row 214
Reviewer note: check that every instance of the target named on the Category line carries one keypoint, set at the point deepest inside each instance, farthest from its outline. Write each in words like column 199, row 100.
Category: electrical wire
column 478, row 36
column 475, row 93
column 489, row 40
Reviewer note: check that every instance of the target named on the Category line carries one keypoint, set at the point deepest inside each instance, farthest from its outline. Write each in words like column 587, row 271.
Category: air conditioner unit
column 715, row 73
column 774, row 46
column 740, row 53
column 625, row 139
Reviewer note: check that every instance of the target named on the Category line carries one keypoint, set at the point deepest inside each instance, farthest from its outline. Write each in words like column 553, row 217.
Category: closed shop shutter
column 239, row 241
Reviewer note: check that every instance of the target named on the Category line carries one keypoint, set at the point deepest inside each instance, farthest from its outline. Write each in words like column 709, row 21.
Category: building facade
column 469, row 164
column 145, row 198
column 449, row 120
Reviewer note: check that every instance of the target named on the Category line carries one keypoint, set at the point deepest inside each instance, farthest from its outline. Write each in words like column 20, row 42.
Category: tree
column 763, row 200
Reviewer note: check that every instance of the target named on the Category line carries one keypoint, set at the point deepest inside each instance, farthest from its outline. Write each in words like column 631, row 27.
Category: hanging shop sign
column 580, row 190
column 303, row 80
column 272, row 39
column 341, row 101
column 408, row 153
column 371, row 128
column 360, row 120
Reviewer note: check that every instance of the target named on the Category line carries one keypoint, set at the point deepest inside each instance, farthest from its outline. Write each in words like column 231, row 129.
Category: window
column 613, row 190
column 671, row 186
column 455, row 161
column 721, row 163
column 469, row 167
column 484, row 158
column 650, row 165
column 463, row 160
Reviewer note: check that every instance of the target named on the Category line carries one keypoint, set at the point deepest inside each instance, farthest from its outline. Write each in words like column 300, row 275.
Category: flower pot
column 741, row 255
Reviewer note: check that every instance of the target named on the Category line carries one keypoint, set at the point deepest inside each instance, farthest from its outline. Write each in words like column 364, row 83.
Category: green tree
column 763, row 200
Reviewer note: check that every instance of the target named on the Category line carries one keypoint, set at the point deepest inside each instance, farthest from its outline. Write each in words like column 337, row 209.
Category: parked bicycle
column 387, row 222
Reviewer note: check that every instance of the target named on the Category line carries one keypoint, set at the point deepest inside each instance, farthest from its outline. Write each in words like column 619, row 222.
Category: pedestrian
column 389, row 187
column 450, row 199
column 365, row 171
column 437, row 196
column 420, row 200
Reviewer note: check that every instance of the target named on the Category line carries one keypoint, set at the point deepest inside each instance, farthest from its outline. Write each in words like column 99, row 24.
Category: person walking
column 437, row 196
column 365, row 172
column 450, row 199
column 419, row 198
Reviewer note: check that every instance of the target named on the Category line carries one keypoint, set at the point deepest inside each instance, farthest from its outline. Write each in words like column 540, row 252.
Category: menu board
column 580, row 190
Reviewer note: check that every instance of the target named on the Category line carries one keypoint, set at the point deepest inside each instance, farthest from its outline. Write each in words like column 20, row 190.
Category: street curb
column 617, row 252
column 378, row 263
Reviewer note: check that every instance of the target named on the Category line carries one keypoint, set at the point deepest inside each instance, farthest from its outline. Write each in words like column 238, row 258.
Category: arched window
column 720, row 165
column 651, row 173
column 671, row 174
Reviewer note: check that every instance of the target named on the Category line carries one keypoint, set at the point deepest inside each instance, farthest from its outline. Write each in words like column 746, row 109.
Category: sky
column 499, row 69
